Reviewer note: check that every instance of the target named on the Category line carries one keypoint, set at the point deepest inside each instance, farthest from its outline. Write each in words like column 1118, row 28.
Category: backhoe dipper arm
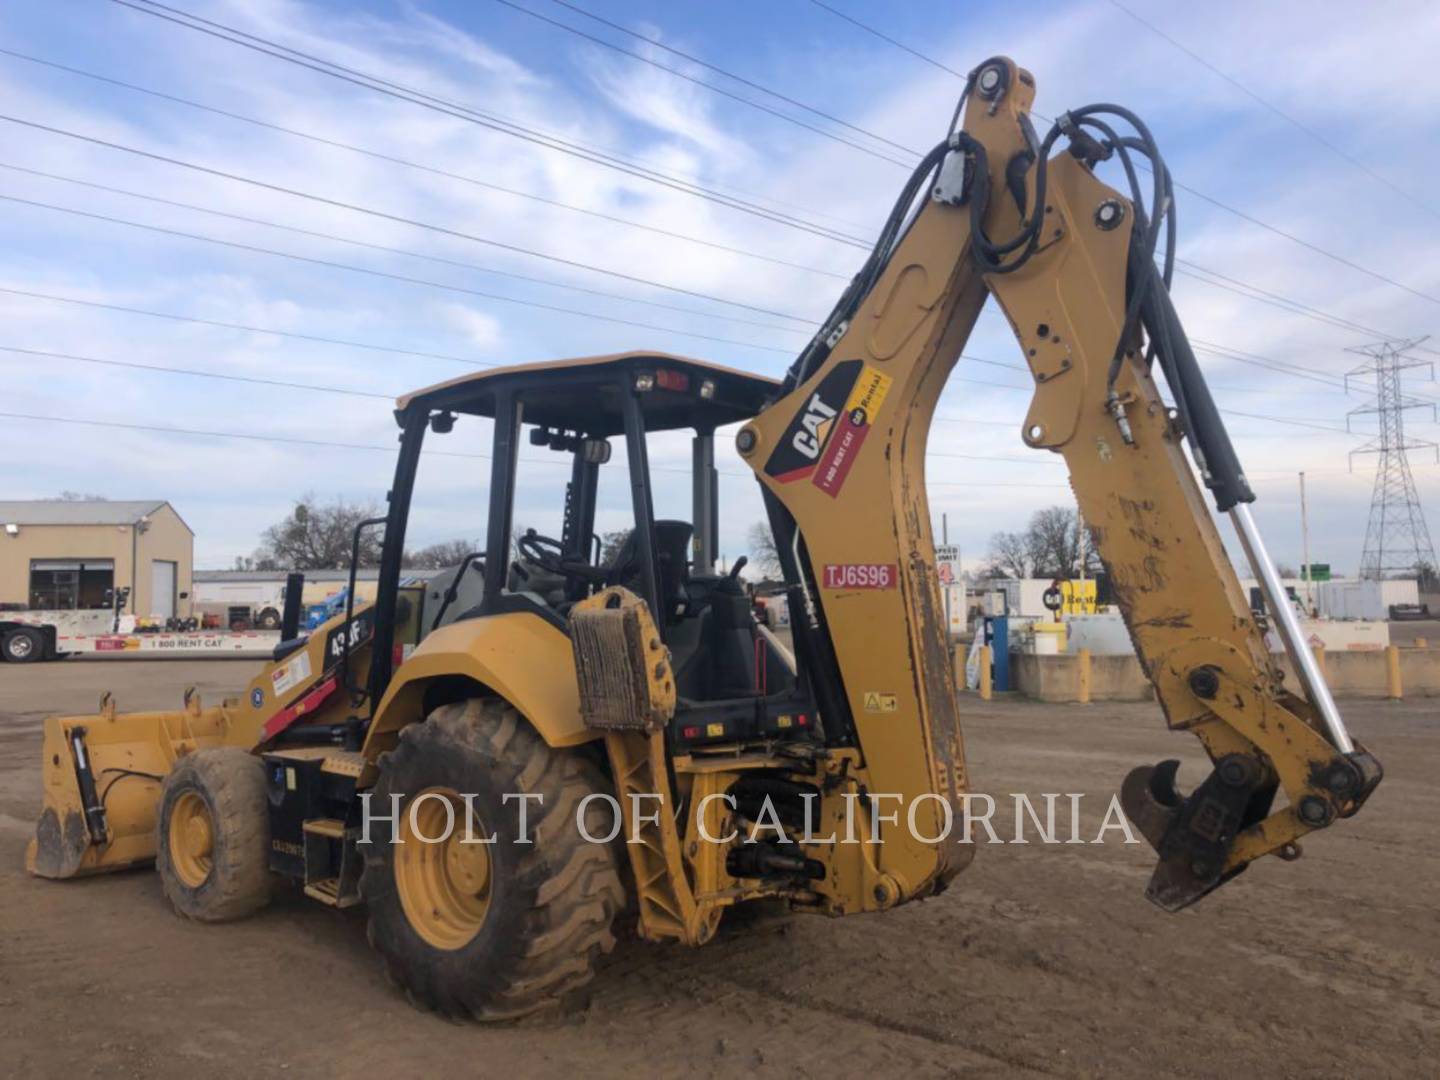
column 842, row 460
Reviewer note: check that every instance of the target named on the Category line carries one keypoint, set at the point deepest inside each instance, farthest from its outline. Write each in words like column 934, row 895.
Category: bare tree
column 1048, row 548
column 1010, row 556
column 763, row 556
column 257, row 561
column 610, row 545
column 443, row 555
column 81, row 496
column 316, row 536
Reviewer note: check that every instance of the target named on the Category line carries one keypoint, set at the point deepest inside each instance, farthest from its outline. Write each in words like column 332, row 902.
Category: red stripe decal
column 308, row 704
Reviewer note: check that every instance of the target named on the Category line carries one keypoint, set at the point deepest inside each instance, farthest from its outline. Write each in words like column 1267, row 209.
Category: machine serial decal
column 850, row 430
column 810, row 429
column 860, row 576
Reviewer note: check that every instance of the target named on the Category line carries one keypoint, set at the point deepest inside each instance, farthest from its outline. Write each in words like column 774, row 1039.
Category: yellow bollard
column 1319, row 650
column 1084, row 655
column 985, row 672
column 1393, row 689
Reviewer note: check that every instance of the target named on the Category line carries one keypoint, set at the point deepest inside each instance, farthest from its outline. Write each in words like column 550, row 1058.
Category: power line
column 194, row 373
column 202, row 433
column 295, row 440
column 1319, row 137
column 443, row 230
column 371, row 346
column 486, row 120
column 549, row 282
column 730, row 75
column 708, row 86
column 370, row 272
column 478, row 117
column 1189, row 269
column 887, row 38
column 1243, row 215
column 384, row 215
column 245, row 327
column 392, row 159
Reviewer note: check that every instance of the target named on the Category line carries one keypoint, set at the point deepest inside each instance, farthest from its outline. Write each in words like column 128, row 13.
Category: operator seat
column 672, row 550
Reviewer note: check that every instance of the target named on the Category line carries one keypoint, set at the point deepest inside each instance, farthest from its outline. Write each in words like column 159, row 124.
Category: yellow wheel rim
column 192, row 839
column 444, row 882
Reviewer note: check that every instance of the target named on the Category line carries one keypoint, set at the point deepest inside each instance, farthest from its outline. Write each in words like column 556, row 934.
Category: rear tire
column 212, row 846
column 23, row 646
column 269, row 619
column 546, row 908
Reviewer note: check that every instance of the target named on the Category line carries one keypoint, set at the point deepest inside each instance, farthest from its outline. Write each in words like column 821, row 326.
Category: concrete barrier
column 1058, row 678
column 1357, row 673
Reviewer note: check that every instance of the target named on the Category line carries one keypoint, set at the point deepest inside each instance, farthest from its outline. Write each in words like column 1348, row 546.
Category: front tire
column 213, row 844
column 491, row 931
column 269, row 619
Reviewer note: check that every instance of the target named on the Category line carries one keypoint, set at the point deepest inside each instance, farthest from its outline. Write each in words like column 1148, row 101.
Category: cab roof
column 584, row 394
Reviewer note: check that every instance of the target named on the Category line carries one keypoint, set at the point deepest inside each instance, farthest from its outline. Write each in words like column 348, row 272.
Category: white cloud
column 478, row 328
column 1217, row 141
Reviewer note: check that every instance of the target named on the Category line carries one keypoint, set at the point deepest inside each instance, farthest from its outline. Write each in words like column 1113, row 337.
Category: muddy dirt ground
column 1040, row 960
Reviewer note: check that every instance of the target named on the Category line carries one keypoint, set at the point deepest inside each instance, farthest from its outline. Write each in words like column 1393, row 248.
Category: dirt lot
column 1040, row 960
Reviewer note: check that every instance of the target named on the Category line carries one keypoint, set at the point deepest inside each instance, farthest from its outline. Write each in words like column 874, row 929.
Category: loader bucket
column 102, row 776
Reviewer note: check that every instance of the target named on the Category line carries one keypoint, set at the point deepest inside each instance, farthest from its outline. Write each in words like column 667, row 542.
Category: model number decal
column 360, row 629
column 860, row 576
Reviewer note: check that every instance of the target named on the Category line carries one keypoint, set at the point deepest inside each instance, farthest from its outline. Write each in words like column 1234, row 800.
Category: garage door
column 162, row 589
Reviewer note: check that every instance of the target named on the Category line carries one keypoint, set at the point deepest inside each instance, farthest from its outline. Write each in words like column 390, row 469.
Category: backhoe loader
column 504, row 763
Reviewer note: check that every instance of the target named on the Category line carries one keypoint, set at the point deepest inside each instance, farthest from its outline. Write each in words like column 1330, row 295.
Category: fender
column 517, row 656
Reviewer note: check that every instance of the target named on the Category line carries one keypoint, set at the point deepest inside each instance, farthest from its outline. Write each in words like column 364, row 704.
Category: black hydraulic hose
column 1220, row 465
column 869, row 273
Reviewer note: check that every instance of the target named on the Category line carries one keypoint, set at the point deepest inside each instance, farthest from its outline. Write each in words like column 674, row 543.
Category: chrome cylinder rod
column 1287, row 626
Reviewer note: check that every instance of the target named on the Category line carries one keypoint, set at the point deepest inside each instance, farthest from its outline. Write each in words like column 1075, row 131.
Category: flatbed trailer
column 35, row 636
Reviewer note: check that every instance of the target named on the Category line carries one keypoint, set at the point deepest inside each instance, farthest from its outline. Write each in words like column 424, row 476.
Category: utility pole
column 1396, row 537
column 1305, row 547
column 945, row 540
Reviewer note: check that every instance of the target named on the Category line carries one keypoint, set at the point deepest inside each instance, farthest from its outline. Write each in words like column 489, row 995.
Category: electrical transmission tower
column 1396, row 539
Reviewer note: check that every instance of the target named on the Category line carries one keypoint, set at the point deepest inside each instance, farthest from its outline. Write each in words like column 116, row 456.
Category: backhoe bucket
column 102, row 778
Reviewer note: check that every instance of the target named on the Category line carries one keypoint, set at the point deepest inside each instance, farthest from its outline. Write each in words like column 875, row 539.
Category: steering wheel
column 549, row 554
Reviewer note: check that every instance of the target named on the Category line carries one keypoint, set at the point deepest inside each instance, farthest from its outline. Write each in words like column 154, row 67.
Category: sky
column 1303, row 225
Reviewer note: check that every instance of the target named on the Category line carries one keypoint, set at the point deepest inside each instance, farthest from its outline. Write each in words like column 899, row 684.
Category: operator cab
column 601, row 414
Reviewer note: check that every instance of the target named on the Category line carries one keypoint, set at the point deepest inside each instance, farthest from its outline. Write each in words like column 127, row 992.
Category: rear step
column 325, row 826
column 327, row 891
column 332, row 867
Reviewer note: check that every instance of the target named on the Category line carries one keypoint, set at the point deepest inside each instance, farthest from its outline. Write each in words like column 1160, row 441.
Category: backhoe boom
column 842, row 458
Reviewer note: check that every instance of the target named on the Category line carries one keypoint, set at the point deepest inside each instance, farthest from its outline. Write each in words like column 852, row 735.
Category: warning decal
column 290, row 675
column 851, row 428
column 878, row 702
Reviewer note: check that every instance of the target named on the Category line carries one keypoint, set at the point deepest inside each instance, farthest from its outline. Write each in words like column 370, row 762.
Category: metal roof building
column 67, row 555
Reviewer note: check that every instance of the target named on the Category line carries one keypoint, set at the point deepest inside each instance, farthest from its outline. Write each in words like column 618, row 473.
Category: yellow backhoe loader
column 455, row 756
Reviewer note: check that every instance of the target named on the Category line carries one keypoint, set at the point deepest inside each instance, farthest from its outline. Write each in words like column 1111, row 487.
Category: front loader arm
column 842, row 459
